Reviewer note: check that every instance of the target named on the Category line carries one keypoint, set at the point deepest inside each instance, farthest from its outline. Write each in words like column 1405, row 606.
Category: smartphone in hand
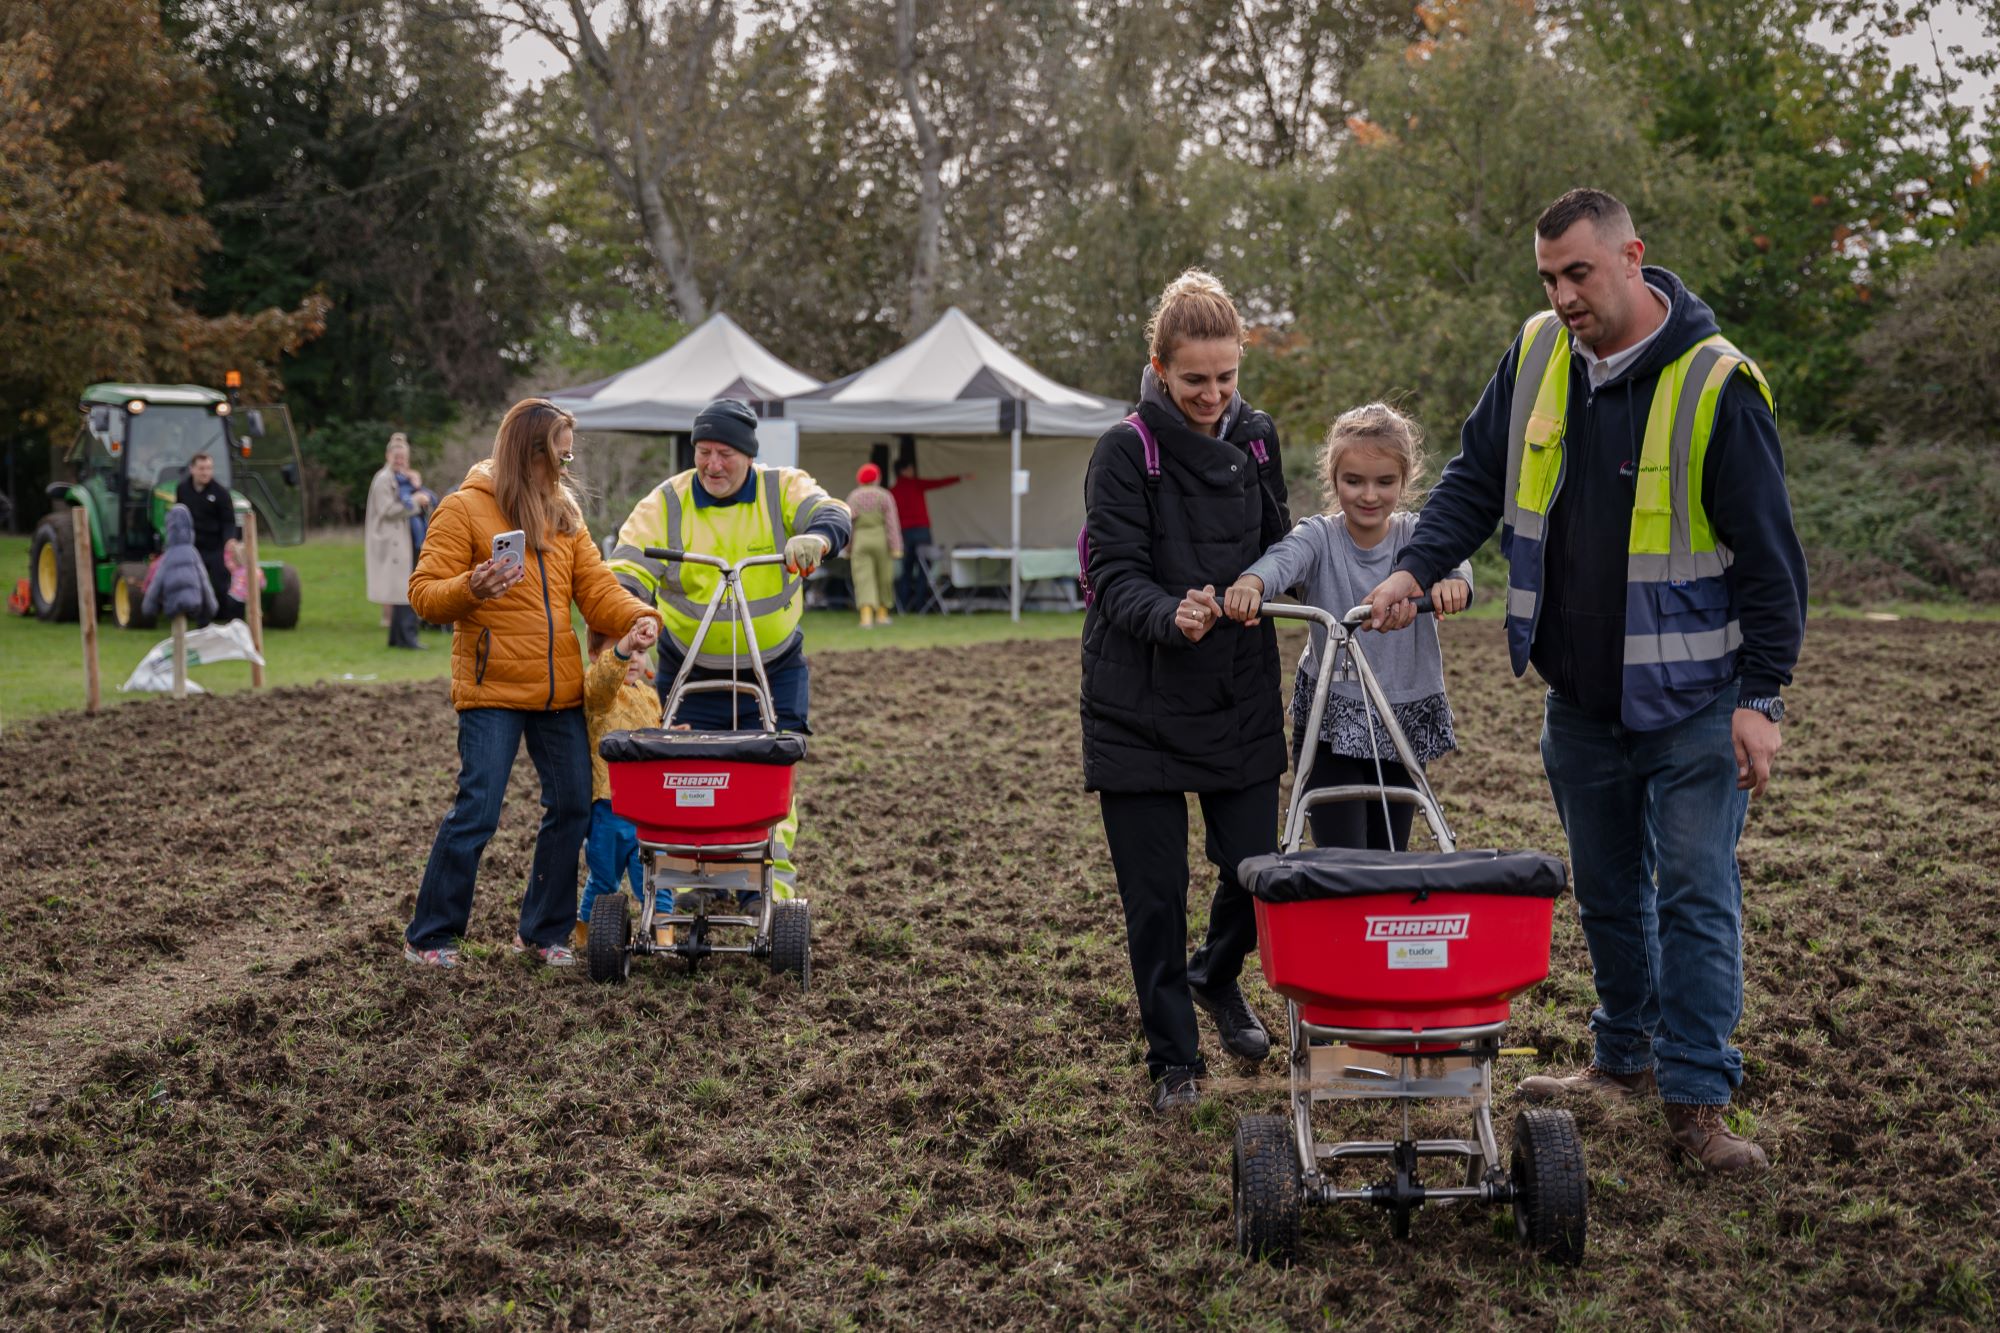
column 510, row 551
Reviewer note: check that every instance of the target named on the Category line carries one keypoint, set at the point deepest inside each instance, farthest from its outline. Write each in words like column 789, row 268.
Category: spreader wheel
column 1551, row 1190
column 791, row 939
column 1266, row 1189
column 609, row 947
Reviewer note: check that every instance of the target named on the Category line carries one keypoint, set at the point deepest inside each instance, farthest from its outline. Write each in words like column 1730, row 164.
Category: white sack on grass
column 228, row 642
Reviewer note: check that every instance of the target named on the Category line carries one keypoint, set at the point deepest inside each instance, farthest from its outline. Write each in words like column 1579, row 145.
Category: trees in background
column 1417, row 270
column 368, row 158
column 103, row 121
column 1363, row 173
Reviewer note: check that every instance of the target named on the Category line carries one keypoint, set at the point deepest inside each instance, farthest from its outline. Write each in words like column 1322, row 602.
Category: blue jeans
column 488, row 739
column 1652, row 819
column 612, row 851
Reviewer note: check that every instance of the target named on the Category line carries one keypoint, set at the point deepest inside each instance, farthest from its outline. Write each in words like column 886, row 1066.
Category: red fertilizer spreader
column 1397, row 969
column 706, row 806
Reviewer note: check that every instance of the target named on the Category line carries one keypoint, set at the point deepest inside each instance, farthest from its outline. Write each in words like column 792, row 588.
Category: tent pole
column 1014, row 494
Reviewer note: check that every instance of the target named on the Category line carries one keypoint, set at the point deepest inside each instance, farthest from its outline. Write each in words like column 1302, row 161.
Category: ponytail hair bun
column 1195, row 307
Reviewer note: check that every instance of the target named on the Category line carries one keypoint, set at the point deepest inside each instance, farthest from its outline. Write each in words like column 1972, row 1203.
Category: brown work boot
column 579, row 936
column 1592, row 1081
column 1703, row 1134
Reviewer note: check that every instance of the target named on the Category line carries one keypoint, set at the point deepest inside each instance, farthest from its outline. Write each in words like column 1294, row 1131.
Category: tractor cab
column 135, row 446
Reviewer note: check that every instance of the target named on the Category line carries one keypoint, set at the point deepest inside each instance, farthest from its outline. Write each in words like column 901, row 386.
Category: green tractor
column 129, row 457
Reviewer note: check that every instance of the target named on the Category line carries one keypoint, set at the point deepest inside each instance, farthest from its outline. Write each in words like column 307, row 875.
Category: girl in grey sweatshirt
column 1372, row 459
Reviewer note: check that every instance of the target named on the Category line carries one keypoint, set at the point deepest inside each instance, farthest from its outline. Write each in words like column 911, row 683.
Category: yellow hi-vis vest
column 786, row 499
column 1681, row 632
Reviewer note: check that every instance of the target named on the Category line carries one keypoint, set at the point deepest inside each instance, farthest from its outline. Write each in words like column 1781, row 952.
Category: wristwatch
column 1769, row 705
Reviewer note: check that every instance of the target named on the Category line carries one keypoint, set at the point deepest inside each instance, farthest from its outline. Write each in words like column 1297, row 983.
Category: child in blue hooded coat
column 179, row 585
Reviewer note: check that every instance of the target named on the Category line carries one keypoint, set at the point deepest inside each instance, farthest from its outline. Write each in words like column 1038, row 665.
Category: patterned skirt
column 1426, row 723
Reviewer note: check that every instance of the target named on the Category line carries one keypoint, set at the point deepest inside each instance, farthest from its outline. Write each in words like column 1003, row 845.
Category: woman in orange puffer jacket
column 516, row 673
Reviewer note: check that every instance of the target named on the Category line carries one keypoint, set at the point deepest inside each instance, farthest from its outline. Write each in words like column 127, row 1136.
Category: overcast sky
column 529, row 60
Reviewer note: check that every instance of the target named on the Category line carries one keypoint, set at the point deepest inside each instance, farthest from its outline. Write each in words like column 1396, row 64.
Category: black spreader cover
column 783, row 748
column 1342, row 872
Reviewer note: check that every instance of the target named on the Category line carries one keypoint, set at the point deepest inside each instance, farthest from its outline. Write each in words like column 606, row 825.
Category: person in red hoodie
column 913, row 513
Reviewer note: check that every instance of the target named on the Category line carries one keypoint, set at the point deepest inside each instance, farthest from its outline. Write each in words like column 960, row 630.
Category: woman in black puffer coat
column 1176, row 699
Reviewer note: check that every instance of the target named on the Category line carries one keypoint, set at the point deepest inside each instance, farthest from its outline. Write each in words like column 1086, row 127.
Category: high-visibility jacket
column 1681, row 632
column 786, row 500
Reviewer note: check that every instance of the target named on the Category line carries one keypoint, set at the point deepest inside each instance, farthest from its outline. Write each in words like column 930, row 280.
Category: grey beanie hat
column 728, row 421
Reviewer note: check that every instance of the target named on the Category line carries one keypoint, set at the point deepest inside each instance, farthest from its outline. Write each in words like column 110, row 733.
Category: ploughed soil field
column 226, row 1100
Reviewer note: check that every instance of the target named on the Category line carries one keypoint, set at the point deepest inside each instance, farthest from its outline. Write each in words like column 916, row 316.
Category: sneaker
column 1704, row 1135
column 1242, row 1033
column 1591, row 1081
column 445, row 957
column 554, row 955
column 1177, row 1089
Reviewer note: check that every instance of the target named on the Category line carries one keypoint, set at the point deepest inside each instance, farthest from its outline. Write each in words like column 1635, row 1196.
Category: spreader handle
column 674, row 556
column 1360, row 614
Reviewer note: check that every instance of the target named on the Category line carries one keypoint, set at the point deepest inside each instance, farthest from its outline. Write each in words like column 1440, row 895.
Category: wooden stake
column 86, row 602
column 253, row 593
column 180, row 657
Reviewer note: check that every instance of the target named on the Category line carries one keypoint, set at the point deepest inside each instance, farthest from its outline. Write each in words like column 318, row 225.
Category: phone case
column 510, row 550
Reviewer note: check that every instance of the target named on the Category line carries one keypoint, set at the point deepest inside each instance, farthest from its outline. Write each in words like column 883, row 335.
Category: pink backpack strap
column 1259, row 452
column 1148, row 443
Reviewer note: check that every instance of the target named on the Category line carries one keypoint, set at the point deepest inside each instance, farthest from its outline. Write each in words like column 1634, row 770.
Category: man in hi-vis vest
column 1628, row 452
column 730, row 506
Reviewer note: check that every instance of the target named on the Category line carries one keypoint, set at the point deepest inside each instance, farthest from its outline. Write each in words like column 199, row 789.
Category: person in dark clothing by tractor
column 1655, row 581
column 1182, row 497
column 215, row 526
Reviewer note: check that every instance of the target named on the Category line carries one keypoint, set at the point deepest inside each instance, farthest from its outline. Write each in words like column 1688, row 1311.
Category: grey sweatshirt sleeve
column 1292, row 559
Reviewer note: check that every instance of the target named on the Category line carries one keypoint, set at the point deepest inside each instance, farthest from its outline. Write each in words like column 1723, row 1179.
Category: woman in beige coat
column 390, row 548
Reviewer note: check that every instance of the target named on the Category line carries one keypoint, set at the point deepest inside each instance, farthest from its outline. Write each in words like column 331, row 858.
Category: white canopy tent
column 717, row 360
column 956, row 380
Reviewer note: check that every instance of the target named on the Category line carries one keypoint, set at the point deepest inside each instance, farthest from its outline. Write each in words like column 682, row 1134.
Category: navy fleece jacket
column 1579, row 641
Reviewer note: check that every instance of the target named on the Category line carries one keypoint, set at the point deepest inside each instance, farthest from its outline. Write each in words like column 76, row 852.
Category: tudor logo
column 686, row 781
column 1419, row 927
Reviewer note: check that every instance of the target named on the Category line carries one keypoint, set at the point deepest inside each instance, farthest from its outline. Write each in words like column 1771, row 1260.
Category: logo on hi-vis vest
column 696, row 789
column 1418, row 927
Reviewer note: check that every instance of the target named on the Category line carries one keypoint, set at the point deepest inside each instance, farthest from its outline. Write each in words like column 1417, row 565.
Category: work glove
column 804, row 552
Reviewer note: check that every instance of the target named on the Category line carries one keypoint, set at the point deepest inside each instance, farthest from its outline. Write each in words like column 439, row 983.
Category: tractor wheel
column 791, row 939
column 609, row 949
column 1551, row 1190
column 52, row 568
column 128, row 598
column 282, row 612
column 1266, row 1189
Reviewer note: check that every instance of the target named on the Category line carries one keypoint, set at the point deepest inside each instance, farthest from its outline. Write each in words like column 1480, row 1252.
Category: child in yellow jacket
column 618, row 695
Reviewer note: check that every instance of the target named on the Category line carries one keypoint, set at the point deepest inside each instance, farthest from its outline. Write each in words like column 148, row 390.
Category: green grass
column 340, row 637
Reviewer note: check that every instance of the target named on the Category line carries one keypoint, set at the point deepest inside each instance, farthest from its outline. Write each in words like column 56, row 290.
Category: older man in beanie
column 730, row 506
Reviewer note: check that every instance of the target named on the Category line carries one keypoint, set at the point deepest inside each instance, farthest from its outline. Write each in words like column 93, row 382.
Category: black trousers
column 226, row 607
column 1358, row 823
column 1148, row 832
